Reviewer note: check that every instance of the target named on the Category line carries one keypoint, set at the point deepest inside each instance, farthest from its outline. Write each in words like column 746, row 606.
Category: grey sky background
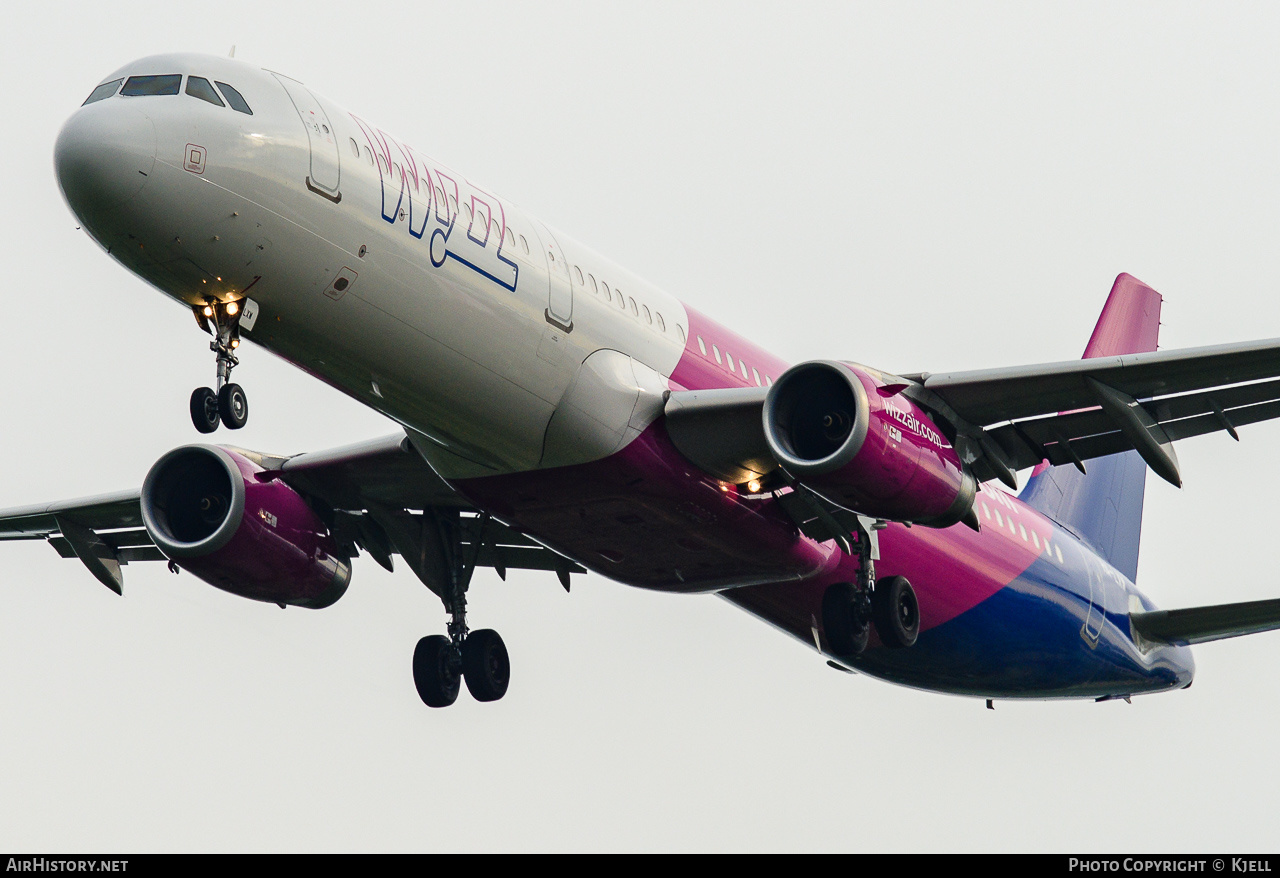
column 915, row 186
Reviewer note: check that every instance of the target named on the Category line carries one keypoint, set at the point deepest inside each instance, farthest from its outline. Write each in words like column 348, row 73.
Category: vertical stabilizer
column 1104, row 508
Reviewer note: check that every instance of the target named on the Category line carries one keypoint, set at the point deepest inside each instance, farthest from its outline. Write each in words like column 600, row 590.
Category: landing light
column 235, row 342
column 232, row 307
column 754, row 486
column 208, row 311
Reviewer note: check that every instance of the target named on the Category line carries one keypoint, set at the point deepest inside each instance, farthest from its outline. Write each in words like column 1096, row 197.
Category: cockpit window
column 234, row 99
column 102, row 92
column 199, row 87
column 152, row 85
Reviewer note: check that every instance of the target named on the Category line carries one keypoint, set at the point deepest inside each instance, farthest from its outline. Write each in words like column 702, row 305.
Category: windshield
column 152, row 85
column 102, row 92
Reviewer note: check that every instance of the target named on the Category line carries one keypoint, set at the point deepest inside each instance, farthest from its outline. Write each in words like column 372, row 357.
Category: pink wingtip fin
column 1130, row 321
column 1129, row 324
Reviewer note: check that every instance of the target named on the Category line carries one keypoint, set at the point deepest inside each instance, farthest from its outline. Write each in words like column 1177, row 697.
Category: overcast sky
column 914, row 186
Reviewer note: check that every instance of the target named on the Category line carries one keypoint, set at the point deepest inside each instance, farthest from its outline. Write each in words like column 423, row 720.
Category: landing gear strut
column 850, row 608
column 847, row 606
column 228, row 404
column 443, row 549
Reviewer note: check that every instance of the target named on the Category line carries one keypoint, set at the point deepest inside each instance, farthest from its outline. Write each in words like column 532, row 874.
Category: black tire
column 896, row 612
column 233, row 406
column 435, row 671
column 204, row 409
column 485, row 665
column 846, row 633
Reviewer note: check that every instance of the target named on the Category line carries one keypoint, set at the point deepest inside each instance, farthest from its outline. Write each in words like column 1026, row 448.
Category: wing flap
column 1081, row 435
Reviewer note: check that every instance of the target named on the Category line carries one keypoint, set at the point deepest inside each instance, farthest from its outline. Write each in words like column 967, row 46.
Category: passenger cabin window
column 238, row 103
column 199, row 87
column 702, row 345
column 102, row 92
column 662, row 324
column 355, row 147
column 138, row 86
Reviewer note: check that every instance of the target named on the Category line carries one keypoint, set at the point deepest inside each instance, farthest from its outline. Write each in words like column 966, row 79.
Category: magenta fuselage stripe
column 609, row 514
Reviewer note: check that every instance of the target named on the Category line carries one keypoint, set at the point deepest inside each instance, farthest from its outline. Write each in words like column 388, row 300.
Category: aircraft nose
column 103, row 156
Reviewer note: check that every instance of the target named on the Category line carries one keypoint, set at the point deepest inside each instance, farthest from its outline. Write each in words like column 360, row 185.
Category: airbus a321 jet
column 558, row 413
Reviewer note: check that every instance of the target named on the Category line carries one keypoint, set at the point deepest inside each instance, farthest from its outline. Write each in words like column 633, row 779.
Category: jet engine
column 847, row 433
column 222, row 517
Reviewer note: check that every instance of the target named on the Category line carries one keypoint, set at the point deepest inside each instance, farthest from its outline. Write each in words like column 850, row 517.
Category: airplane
column 558, row 413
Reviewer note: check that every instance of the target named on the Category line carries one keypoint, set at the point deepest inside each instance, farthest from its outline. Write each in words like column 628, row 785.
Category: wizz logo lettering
column 431, row 202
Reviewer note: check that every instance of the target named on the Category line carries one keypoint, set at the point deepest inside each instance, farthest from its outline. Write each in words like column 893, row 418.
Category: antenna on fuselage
column 232, row 53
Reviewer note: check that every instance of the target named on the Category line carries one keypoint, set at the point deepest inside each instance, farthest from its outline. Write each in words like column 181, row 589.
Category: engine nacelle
column 213, row 513
column 847, row 433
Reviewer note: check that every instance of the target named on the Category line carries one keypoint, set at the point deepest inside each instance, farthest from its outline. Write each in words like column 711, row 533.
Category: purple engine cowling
column 847, row 433
column 222, row 517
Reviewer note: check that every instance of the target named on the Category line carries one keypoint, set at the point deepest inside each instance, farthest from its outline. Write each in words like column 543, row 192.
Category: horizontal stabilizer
column 1202, row 624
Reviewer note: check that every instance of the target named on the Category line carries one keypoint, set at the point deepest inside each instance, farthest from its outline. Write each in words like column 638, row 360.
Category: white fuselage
column 375, row 268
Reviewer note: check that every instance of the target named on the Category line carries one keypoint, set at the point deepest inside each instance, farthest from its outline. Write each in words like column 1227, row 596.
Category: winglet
column 1129, row 322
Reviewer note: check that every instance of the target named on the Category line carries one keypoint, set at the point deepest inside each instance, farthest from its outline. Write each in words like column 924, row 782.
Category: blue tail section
column 1104, row 508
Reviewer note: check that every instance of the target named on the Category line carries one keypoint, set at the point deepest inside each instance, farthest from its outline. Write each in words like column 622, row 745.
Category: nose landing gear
column 228, row 404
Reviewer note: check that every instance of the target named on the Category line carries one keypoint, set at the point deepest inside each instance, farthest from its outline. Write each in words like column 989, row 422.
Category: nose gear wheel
column 204, row 409
column 230, row 404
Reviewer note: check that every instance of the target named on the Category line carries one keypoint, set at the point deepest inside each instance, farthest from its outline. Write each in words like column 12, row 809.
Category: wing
column 375, row 495
column 1071, row 411
column 1009, row 419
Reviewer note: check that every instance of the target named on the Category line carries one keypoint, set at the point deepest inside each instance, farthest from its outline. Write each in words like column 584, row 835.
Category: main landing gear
column 227, row 404
column 442, row 548
column 440, row 665
column 849, row 609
